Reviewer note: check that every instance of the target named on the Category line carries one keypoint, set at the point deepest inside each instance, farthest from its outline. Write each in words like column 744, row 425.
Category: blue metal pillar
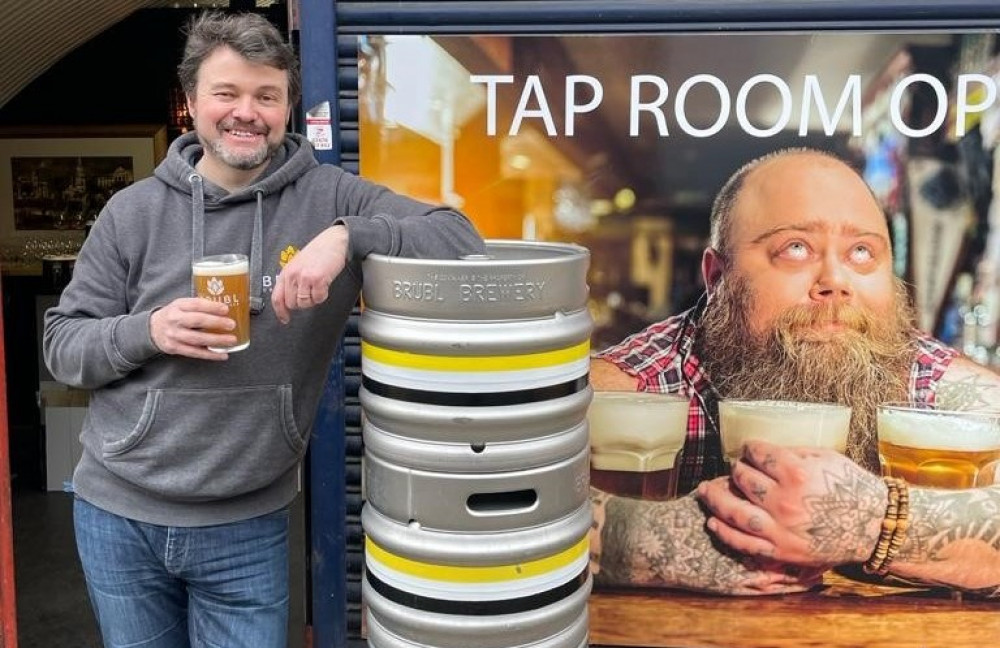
column 327, row 515
column 327, row 511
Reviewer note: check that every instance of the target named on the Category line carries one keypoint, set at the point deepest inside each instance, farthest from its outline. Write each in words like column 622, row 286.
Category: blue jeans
column 153, row 586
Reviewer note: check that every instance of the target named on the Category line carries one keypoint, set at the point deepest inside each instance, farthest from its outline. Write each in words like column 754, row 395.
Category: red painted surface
column 8, row 616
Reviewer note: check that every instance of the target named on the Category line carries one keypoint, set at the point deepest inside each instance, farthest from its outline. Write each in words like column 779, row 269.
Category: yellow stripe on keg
column 484, row 574
column 538, row 360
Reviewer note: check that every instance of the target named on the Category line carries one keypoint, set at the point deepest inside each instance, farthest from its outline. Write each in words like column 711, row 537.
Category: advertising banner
column 623, row 143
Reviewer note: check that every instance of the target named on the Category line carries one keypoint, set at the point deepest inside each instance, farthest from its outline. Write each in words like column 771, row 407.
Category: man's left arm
column 966, row 385
column 953, row 540
column 381, row 221
column 370, row 219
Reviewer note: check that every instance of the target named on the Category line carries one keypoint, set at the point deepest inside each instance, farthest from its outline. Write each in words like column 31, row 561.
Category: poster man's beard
column 864, row 364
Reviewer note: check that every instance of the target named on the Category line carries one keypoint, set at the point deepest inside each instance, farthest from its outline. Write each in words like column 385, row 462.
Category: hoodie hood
column 291, row 161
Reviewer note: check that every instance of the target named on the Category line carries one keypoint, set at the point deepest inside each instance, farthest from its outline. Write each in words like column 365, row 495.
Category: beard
column 865, row 363
column 244, row 161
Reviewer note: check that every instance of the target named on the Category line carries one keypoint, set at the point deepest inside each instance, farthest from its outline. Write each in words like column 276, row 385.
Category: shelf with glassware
column 971, row 315
column 938, row 192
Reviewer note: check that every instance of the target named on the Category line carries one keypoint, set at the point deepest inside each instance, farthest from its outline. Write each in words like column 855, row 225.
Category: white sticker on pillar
column 319, row 129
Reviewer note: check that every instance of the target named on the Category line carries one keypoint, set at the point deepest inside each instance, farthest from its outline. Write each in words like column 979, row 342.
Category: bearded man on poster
column 801, row 304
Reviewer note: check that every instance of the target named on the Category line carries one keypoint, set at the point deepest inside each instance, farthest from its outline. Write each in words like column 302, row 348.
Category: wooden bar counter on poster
column 843, row 612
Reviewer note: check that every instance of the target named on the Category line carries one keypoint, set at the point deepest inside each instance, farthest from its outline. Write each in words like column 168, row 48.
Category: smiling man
column 191, row 456
column 240, row 128
column 801, row 304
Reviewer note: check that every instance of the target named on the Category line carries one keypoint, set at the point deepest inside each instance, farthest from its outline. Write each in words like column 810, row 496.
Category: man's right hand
column 179, row 328
column 642, row 543
column 804, row 506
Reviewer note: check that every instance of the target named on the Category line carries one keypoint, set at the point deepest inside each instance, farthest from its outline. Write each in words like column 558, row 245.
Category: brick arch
column 35, row 35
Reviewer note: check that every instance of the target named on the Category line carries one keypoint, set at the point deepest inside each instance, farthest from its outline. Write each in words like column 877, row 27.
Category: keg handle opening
column 504, row 503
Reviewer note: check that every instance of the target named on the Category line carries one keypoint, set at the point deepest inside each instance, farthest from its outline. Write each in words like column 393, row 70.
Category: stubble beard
column 242, row 161
column 863, row 365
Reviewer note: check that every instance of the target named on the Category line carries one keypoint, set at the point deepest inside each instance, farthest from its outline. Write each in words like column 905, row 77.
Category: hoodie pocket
column 199, row 444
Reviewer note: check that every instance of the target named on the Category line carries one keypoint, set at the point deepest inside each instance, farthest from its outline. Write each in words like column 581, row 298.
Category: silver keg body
column 474, row 394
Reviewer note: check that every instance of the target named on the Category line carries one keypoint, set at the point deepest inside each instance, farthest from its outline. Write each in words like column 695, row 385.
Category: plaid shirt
column 662, row 357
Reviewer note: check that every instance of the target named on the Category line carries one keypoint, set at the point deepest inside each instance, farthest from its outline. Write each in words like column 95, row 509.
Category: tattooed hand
column 805, row 506
column 642, row 543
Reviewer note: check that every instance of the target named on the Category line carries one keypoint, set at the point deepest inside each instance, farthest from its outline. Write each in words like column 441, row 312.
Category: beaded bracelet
column 894, row 527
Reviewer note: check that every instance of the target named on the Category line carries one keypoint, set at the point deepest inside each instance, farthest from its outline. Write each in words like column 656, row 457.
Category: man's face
column 807, row 308
column 239, row 111
column 807, row 232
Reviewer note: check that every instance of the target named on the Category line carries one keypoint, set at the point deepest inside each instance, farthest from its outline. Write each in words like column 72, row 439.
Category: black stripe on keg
column 478, row 399
column 478, row 608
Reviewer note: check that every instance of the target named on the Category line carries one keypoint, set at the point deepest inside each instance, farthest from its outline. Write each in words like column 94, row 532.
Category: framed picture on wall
column 55, row 179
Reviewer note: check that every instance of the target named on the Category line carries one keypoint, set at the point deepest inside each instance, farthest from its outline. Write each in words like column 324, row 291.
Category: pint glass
column 784, row 423
column 939, row 448
column 225, row 278
column 636, row 439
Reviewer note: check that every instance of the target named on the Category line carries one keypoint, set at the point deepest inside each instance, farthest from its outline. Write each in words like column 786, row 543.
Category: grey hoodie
column 178, row 441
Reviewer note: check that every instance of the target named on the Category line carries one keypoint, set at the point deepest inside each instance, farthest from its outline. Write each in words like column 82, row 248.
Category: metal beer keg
column 475, row 394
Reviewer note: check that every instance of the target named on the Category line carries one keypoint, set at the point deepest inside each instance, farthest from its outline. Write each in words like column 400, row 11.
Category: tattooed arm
column 642, row 543
column 953, row 539
column 966, row 385
column 808, row 506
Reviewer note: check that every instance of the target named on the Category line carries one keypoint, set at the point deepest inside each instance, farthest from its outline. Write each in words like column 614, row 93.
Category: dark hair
column 249, row 35
column 721, row 220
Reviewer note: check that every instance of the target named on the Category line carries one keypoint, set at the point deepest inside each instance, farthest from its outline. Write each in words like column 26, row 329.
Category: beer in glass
column 938, row 448
column 225, row 278
column 784, row 423
column 636, row 442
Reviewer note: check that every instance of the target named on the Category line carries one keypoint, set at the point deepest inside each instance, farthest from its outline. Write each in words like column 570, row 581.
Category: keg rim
column 547, row 251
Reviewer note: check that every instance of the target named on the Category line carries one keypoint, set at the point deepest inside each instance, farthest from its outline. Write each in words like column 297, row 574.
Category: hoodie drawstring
column 197, row 218
column 256, row 280
column 198, row 238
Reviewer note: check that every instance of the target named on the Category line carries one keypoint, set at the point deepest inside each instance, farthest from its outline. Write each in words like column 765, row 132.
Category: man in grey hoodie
column 191, row 456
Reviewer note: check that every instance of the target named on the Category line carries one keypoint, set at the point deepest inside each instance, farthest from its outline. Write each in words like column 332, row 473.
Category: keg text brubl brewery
column 488, row 290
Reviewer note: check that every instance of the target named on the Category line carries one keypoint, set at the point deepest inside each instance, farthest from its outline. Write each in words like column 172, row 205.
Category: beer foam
column 939, row 429
column 784, row 423
column 220, row 268
column 637, row 420
column 781, row 408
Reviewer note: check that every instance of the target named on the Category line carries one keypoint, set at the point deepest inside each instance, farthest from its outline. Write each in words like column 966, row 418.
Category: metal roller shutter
column 330, row 31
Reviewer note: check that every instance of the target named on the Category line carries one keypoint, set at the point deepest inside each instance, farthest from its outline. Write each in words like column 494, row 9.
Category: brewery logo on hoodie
column 286, row 255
